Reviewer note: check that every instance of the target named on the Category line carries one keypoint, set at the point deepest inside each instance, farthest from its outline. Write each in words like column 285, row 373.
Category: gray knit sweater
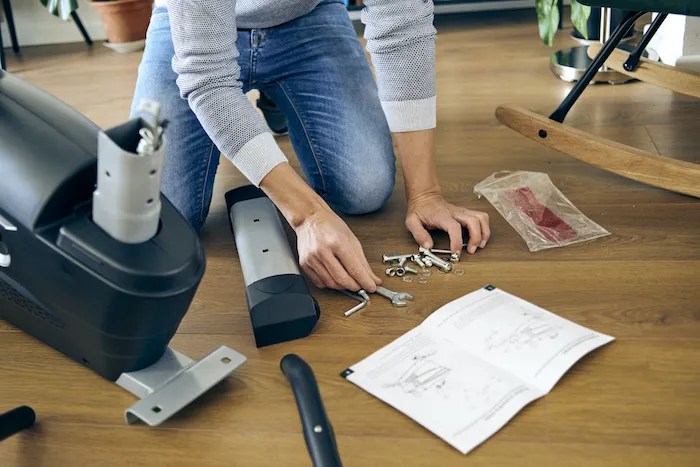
column 400, row 39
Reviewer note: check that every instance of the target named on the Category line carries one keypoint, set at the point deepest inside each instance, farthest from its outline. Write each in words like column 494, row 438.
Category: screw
column 402, row 261
column 443, row 265
column 391, row 272
column 410, row 270
column 441, row 252
column 416, row 259
column 389, row 259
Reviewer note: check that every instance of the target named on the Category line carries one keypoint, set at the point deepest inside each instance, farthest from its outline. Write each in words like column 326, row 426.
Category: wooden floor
column 634, row 402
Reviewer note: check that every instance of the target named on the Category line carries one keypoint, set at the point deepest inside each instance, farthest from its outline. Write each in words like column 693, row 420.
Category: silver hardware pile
column 425, row 258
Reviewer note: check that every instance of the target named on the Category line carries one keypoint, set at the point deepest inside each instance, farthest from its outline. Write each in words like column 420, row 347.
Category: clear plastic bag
column 537, row 210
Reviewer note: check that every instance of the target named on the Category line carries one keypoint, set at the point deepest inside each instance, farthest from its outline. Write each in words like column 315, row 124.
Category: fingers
column 354, row 270
column 322, row 273
column 340, row 275
column 313, row 277
column 420, row 234
column 478, row 225
column 454, row 230
column 485, row 228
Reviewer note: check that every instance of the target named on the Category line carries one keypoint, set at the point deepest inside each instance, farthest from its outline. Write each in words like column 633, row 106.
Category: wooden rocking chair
column 663, row 172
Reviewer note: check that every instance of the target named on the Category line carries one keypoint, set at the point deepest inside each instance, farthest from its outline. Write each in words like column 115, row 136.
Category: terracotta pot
column 124, row 20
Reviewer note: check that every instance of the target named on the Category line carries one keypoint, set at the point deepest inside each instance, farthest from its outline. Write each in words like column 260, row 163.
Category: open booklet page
column 473, row 364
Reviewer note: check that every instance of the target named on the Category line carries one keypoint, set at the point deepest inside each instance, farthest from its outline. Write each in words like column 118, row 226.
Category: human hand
column 331, row 255
column 432, row 211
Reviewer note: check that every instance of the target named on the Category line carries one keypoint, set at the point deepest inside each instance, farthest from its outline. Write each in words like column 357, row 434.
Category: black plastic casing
column 112, row 306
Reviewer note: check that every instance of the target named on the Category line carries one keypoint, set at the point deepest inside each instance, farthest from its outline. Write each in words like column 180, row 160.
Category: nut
column 400, row 271
column 407, row 279
column 458, row 272
column 423, row 280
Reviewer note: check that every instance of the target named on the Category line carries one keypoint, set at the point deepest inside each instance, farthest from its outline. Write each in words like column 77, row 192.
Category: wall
column 35, row 25
column 678, row 41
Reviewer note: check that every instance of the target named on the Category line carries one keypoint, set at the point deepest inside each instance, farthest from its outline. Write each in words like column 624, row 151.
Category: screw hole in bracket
column 256, row 220
column 265, row 250
column 542, row 133
column 226, row 360
column 157, row 409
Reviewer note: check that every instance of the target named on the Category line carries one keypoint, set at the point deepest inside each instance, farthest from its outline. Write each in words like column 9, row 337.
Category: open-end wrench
column 397, row 298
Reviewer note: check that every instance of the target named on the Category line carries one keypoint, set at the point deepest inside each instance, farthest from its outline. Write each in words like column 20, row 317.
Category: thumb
column 419, row 233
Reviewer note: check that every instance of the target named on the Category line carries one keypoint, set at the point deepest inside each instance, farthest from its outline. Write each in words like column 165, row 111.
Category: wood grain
column 633, row 402
column 670, row 77
column 660, row 171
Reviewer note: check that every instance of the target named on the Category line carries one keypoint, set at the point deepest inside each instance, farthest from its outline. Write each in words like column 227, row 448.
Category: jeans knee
column 365, row 190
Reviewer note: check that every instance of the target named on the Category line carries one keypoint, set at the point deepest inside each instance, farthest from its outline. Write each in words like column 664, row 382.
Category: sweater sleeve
column 401, row 42
column 206, row 62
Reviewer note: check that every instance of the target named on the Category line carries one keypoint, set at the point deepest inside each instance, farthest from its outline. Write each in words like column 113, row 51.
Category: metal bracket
column 170, row 384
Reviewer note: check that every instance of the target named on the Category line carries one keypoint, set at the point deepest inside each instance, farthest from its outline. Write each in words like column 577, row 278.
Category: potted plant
column 548, row 18
column 125, row 21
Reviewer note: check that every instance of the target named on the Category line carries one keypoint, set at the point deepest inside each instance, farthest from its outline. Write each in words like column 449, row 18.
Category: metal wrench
column 397, row 298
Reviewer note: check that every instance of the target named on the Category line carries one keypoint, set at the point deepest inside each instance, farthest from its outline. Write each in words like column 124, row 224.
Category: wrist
column 292, row 195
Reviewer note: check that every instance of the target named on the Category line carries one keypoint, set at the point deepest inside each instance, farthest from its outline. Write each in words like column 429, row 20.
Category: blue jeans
column 315, row 70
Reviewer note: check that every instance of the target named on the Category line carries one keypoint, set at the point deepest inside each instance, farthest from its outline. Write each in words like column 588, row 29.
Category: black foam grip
column 318, row 432
column 16, row 420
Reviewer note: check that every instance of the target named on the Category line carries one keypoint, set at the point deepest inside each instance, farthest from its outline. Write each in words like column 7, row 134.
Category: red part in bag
column 549, row 224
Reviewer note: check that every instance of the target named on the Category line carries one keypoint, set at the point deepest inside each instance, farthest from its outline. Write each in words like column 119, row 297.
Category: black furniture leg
column 2, row 53
column 11, row 25
column 636, row 54
column 81, row 28
column 560, row 114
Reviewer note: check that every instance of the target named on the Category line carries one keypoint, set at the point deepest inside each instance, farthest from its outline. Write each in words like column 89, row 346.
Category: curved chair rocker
column 663, row 172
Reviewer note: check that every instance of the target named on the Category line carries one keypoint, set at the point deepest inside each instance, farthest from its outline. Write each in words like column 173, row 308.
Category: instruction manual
column 474, row 364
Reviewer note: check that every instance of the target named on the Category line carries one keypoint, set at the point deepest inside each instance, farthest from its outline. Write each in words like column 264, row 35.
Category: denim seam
column 204, row 182
column 309, row 139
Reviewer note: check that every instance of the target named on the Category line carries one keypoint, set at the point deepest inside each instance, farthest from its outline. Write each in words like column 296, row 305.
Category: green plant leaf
column 62, row 8
column 579, row 17
column 547, row 19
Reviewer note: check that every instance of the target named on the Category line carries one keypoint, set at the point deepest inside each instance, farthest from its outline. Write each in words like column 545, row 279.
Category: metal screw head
column 318, row 429
column 428, row 262
column 391, row 272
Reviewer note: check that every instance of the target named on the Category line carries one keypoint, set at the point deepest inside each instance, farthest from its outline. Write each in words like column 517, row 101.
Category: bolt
column 416, row 259
column 400, row 271
column 391, row 272
column 402, row 261
column 389, row 259
column 444, row 265
column 441, row 252
column 410, row 270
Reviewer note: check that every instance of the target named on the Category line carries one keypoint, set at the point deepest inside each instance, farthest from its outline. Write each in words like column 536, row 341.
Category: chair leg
column 11, row 25
column 636, row 54
column 81, row 28
column 560, row 114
